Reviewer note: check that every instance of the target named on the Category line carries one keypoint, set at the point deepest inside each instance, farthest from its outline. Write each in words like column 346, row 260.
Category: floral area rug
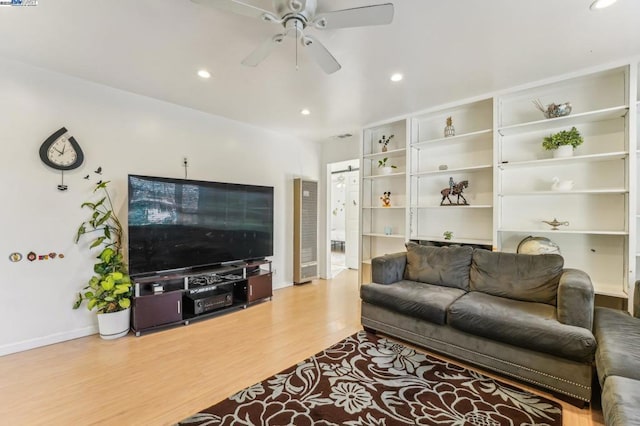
column 365, row 380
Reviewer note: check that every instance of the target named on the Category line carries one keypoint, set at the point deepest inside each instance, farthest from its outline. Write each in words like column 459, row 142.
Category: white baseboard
column 47, row 340
column 280, row 285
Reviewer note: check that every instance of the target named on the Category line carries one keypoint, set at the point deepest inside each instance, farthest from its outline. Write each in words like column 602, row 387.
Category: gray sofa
column 523, row 316
column 618, row 363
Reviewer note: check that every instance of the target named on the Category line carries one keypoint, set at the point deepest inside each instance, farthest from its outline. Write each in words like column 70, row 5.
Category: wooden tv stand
column 178, row 298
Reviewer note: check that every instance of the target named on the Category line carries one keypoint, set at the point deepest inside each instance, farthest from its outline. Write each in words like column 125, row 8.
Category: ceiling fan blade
column 380, row 14
column 320, row 54
column 262, row 51
column 238, row 7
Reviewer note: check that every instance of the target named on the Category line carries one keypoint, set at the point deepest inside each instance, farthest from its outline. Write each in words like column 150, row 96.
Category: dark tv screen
column 179, row 223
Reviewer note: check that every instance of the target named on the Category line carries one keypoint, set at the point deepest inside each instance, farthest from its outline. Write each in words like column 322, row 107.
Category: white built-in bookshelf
column 497, row 148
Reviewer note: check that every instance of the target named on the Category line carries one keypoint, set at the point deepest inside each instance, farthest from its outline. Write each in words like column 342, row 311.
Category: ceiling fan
column 296, row 16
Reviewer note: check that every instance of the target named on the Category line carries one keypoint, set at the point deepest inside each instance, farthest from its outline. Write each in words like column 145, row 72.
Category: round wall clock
column 61, row 152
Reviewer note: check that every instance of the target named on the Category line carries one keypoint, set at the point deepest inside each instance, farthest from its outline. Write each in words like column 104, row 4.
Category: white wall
column 123, row 133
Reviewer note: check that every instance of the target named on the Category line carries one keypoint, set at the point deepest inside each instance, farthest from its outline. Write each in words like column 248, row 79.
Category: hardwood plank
column 163, row 377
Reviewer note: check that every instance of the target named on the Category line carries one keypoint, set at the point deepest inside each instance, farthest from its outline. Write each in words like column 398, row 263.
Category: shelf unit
column 435, row 159
column 634, row 197
column 497, row 147
column 597, row 206
column 382, row 228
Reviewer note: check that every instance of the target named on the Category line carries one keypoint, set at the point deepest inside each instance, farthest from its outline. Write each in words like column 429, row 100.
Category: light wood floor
column 163, row 377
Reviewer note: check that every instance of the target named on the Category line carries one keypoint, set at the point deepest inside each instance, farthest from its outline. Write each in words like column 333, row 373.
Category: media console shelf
column 166, row 300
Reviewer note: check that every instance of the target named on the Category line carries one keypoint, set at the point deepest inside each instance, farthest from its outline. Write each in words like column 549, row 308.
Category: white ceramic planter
column 114, row 324
column 563, row 151
column 387, row 170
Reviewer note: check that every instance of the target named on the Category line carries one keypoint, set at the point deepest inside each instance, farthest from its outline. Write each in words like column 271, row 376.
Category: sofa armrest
column 389, row 268
column 575, row 299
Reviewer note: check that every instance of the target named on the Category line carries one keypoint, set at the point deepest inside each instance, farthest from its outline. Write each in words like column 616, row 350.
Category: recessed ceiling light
column 601, row 4
column 204, row 74
column 305, row 112
column 397, row 77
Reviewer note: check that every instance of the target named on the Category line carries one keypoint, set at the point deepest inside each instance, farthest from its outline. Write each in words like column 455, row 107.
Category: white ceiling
column 447, row 50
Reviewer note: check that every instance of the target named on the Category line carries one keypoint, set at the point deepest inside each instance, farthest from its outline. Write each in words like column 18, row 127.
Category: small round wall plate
column 15, row 257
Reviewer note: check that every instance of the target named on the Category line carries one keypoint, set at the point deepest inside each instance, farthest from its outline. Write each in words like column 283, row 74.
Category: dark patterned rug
column 369, row 381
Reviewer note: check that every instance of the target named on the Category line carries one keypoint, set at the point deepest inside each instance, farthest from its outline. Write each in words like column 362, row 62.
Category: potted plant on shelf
column 563, row 143
column 109, row 290
column 385, row 141
column 386, row 168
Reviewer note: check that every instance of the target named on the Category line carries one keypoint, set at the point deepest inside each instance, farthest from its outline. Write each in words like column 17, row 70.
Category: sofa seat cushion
column 524, row 324
column 618, row 337
column 621, row 401
column 445, row 266
column 419, row 300
column 528, row 277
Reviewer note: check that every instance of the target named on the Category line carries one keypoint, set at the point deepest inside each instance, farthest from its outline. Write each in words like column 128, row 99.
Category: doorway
column 344, row 184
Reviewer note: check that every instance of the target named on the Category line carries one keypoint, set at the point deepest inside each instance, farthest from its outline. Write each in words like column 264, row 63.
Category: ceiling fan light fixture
column 296, row 5
column 321, row 23
column 601, row 4
column 305, row 111
column 396, row 77
column 204, row 74
column 297, row 15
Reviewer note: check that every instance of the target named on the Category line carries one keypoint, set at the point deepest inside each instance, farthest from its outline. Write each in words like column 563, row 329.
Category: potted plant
column 109, row 290
column 385, row 141
column 563, row 143
column 386, row 168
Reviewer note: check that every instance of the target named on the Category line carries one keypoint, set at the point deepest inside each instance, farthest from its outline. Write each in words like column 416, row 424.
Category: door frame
column 355, row 165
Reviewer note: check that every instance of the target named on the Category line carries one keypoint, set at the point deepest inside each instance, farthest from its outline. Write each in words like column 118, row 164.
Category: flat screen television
column 186, row 224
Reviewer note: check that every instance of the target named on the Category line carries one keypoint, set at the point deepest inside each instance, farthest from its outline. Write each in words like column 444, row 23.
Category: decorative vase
column 384, row 148
column 387, row 170
column 449, row 130
column 563, row 151
column 114, row 324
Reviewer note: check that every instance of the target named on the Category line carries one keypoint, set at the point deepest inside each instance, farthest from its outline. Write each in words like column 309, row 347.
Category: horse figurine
column 455, row 189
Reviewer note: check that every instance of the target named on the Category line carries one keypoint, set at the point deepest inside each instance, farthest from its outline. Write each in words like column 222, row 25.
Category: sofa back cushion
column 532, row 278
column 446, row 266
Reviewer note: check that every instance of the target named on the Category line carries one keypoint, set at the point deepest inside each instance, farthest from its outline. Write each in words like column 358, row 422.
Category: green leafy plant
column 565, row 137
column 109, row 290
column 447, row 235
column 383, row 163
column 385, row 141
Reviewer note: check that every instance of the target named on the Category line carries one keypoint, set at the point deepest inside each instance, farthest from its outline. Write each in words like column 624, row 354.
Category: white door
column 351, row 219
